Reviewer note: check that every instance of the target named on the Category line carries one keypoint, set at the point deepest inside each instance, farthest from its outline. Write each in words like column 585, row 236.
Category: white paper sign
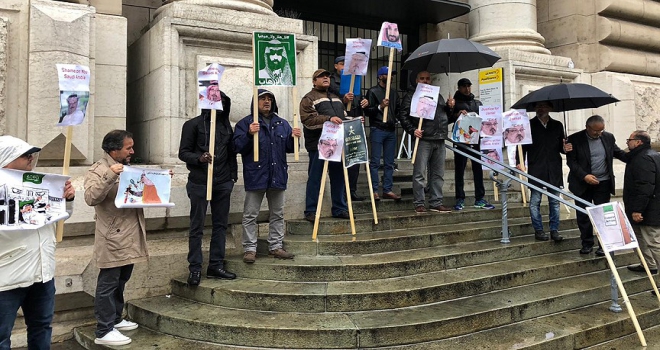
column 144, row 188
column 389, row 36
column 29, row 200
column 466, row 129
column 491, row 147
column 516, row 128
column 357, row 56
column 331, row 142
column 491, row 121
column 208, row 89
column 425, row 101
column 74, row 93
column 613, row 226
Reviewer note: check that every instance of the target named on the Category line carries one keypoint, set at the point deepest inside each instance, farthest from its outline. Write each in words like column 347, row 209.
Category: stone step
column 408, row 290
column 406, row 202
column 648, row 316
column 392, row 220
column 188, row 319
column 390, row 264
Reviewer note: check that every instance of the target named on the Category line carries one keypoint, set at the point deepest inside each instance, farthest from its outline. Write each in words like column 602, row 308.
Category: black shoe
column 554, row 234
column 311, row 217
column 194, row 278
column 600, row 252
column 640, row 268
column 342, row 215
column 586, row 250
column 220, row 273
column 541, row 236
column 356, row 198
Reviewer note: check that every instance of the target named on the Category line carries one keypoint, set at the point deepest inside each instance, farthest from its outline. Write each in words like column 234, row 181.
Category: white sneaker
column 126, row 325
column 114, row 337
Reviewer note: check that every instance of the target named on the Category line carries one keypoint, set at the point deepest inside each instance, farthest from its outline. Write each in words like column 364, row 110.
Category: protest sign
column 345, row 85
column 331, row 142
column 208, row 80
column 491, row 121
column 29, row 200
column 491, row 147
column 389, row 36
column 74, row 93
column 466, row 129
column 142, row 188
column 357, row 56
column 274, row 59
column 616, row 232
column 424, row 101
column 355, row 143
column 516, row 128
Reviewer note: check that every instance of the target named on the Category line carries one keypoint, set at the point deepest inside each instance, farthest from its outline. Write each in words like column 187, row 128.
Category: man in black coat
column 544, row 162
column 591, row 175
column 641, row 197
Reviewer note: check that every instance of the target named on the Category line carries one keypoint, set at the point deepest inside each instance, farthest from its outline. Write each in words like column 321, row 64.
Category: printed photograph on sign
column 30, row 200
column 331, row 142
column 355, row 143
column 389, row 36
column 466, row 129
column 516, row 128
column 142, row 188
column 612, row 224
column 208, row 80
column 357, row 56
column 275, row 59
column 491, row 121
column 491, row 147
column 74, row 93
column 424, row 101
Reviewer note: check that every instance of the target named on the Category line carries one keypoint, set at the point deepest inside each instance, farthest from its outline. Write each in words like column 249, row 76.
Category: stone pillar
column 264, row 7
column 506, row 24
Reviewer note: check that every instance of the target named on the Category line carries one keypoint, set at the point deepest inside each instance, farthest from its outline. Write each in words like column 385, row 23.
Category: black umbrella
column 450, row 56
column 566, row 97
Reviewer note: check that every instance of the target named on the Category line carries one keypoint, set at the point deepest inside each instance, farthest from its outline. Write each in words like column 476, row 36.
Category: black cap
column 340, row 59
column 464, row 82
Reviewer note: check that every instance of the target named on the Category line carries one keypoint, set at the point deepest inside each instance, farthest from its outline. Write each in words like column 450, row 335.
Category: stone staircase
column 430, row 281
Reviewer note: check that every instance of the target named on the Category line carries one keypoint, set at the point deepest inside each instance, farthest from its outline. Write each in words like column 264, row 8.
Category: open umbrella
column 566, row 97
column 450, row 56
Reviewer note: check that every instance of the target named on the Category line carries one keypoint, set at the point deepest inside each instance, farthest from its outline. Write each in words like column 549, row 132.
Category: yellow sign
column 489, row 76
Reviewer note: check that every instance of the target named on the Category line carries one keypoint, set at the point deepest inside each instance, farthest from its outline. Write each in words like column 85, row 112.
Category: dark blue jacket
column 275, row 141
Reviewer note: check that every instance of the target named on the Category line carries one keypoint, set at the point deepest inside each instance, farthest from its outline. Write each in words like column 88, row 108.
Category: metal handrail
column 504, row 185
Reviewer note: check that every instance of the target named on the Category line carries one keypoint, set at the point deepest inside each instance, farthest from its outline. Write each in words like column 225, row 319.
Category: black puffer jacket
column 465, row 103
column 641, row 185
column 375, row 95
column 435, row 129
column 195, row 138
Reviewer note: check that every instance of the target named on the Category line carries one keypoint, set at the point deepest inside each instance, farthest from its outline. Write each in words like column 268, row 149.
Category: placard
column 74, row 93
column 143, row 188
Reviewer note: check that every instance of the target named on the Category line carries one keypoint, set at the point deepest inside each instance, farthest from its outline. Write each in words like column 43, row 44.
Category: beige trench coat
column 121, row 237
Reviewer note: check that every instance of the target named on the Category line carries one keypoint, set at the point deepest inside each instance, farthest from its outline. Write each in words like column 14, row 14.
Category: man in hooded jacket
column 268, row 176
column 28, row 261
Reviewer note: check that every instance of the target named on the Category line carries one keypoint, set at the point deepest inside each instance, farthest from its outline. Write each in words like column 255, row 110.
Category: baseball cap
column 320, row 72
column 464, row 81
column 383, row 71
column 340, row 59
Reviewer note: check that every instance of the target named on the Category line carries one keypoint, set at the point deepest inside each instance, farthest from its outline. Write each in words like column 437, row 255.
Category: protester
column 194, row 151
column 268, row 176
column 466, row 103
column 544, row 163
column 591, row 175
column 431, row 150
column 383, row 135
column 317, row 107
column 27, row 279
column 641, row 197
column 120, row 238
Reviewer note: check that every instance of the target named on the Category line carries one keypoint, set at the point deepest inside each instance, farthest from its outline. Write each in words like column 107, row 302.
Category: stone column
column 264, row 7
column 506, row 24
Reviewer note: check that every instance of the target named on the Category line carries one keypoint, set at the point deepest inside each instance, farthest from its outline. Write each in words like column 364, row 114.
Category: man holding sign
column 431, row 149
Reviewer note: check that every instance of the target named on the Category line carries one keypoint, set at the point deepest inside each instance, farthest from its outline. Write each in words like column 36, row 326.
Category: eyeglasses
column 30, row 156
column 628, row 140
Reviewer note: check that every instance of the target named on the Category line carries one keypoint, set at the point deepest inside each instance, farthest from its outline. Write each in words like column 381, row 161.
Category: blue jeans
column 382, row 143
column 38, row 303
column 535, row 211
column 337, row 185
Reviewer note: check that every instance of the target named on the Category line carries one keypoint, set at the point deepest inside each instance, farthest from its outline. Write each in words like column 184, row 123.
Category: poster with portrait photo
column 144, row 188
column 355, row 143
column 613, row 226
column 74, row 93
column 424, row 101
column 29, row 200
column 208, row 87
column 357, row 56
column 466, row 129
column 331, row 142
column 491, row 121
column 389, row 36
column 491, row 147
column 274, row 59
column 515, row 125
